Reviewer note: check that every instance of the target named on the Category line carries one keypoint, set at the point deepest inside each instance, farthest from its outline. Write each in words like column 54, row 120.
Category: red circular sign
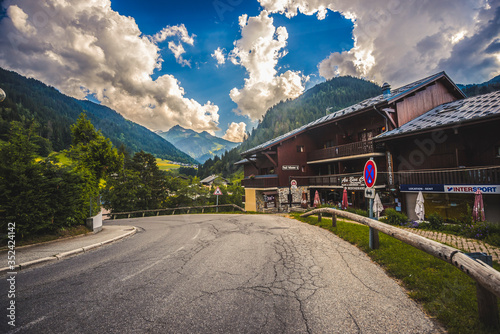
column 370, row 173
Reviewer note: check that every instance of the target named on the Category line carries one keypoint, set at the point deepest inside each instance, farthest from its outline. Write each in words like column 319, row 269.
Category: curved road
column 216, row 274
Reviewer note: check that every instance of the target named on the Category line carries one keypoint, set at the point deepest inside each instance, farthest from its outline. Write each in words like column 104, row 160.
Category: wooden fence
column 486, row 277
column 187, row 210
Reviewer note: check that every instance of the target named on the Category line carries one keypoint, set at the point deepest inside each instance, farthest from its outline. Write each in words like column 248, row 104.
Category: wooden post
column 173, row 212
column 374, row 239
column 157, row 213
column 188, row 211
column 334, row 220
column 319, row 217
column 488, row 307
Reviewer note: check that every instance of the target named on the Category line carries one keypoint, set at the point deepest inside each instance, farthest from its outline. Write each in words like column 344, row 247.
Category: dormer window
column 300, row 148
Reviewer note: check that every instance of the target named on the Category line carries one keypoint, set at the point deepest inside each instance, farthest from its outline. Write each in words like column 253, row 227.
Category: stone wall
column 296, row 195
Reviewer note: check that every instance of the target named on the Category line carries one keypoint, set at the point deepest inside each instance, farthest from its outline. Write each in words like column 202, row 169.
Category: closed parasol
column 345, row 202
column 419, row 207
column 317, row 201
column 478, row 209
column 377, row 205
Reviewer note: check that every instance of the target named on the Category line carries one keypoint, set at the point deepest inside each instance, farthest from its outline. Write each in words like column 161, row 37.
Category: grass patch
column 445, row 292
column 166, row 164
column 61, row 234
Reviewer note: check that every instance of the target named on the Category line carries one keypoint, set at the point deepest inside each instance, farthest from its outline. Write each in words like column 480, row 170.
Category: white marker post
column 217, row 193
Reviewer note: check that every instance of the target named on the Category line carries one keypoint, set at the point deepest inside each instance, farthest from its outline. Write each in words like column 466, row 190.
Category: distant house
column 425, row 136
column 208, row 181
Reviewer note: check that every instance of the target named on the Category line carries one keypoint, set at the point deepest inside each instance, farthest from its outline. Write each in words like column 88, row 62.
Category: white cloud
column 398, row 41
column 181, row 33
column 259, row 49
column 219, row 56
column 236, row 132
column 84, row 46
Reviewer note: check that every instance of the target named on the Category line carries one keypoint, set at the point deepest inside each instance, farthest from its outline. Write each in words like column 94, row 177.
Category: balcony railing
column 469, row 176
column 261, row 181
column 360, row 147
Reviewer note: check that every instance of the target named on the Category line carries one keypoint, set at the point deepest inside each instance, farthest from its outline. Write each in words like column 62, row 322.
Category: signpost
column 370, row 176
column 217, row 193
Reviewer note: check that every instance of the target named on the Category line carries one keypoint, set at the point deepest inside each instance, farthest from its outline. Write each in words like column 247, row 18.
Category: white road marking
column 28, row 325
column 150, row 266
column 197, row 234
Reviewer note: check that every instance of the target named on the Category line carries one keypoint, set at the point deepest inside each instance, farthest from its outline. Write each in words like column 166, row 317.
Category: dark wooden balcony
column 261, row 181
column 467, row 176
column 357, row 148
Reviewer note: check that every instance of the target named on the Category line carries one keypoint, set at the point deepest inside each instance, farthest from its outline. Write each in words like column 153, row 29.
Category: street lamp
column 2, row 95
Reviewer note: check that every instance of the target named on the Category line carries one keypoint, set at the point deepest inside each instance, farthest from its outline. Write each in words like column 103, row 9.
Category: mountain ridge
column 199, row 145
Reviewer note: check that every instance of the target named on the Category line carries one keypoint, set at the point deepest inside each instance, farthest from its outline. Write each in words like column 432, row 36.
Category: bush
column 360, row 212
column 436, row 221
column 395, row 218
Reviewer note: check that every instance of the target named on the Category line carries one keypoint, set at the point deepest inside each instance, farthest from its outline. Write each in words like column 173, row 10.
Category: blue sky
column 218, row 65
column 215, row 24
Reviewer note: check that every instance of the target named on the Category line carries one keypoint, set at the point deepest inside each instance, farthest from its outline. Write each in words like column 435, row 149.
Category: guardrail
column 180, row 209
column 486, row 277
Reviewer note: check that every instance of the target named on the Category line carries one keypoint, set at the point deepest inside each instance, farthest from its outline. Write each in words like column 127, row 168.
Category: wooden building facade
column 329, row 154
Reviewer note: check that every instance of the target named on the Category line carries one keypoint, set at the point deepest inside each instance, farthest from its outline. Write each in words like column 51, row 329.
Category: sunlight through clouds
column 399, row 41
column 84, row 47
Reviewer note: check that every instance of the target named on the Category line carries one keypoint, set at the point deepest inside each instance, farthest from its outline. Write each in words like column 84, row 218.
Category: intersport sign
column 471, row 189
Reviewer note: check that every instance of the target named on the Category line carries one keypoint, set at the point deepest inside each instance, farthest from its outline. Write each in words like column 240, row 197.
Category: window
column 497, row 151
column 303, row 169
column 300, row 148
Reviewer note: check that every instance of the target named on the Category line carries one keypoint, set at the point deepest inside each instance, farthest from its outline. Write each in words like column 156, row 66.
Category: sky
column 218, row 65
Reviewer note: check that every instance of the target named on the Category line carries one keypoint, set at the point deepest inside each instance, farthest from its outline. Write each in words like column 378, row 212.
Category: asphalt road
column 215, row 274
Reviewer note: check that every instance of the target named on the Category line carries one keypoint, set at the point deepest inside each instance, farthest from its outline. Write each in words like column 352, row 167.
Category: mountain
column 326, row 97
column 483, row 88
column 200, row 146
column 55, row 112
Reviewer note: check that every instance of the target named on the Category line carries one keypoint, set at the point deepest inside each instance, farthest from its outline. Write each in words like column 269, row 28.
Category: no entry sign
column 370, row 173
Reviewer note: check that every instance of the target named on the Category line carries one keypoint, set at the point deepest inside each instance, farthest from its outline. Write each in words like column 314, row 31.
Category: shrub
column 395, row 218
column 360, row 212
column 435, row 220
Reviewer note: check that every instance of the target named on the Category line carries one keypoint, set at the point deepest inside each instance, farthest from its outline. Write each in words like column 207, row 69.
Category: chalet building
column 448, row 153
column 329, row 154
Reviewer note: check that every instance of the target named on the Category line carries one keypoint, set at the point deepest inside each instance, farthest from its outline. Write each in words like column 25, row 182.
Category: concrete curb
column 63, row 255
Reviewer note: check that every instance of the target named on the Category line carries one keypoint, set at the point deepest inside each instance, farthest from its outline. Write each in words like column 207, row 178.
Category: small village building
column 210, row 180
column 328, row 155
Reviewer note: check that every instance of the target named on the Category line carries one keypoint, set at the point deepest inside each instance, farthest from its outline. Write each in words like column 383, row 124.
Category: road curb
column 63, row 255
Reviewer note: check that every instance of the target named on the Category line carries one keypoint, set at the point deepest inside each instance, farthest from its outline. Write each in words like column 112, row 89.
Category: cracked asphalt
column 215, row 274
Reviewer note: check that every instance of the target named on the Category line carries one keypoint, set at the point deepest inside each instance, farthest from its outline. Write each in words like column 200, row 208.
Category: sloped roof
column 447, row 114
column 380, row 99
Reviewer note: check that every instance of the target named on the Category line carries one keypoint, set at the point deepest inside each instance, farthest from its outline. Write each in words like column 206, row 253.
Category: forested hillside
column 484, row 88
column 334, row 94
column 29, row 99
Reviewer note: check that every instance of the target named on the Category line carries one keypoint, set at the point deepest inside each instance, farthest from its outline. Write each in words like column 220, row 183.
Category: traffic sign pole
column 370, row 176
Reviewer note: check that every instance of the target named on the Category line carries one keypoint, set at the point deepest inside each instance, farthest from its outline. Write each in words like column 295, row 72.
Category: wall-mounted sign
column 293, row 184
column 438, row 188
column 290, row 167
column 354, row 183
column 451, row 189
column 471, row 189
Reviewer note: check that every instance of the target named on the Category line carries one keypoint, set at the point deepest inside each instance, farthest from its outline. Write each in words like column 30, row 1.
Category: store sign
column 439, row 188
column 290, row 167
column 354, row 183
column 471, row 189
column 451, row 189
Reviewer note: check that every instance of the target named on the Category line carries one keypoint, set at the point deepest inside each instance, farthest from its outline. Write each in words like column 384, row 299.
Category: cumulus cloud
column 236, row 132
column 259, row 49
column 180, row 32
column 398, row 41
column 218, row 55
column 84, row 47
